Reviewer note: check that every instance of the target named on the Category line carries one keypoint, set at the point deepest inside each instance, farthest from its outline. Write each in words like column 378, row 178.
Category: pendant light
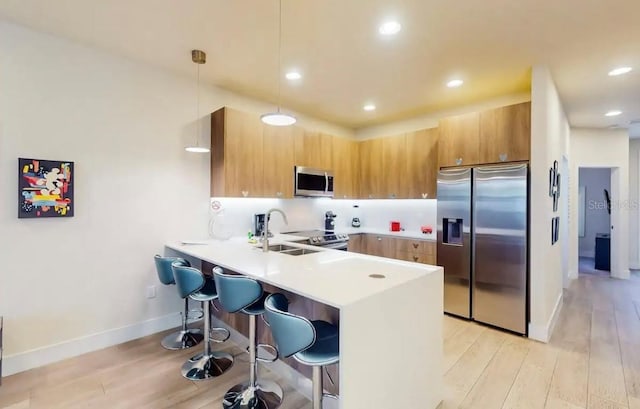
column 198, row 57
column 278, row 118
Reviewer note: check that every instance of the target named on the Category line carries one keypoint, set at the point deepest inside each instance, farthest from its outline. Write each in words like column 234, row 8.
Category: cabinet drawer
column 415, row 246
column 415, row 257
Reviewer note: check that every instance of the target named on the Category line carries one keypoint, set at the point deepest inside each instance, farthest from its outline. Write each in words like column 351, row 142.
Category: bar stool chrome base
column 264, row 395
column 182, row 339
column 202, row 367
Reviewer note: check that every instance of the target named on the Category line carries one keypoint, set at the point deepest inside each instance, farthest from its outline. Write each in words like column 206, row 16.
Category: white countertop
column 333, row 277
column 406, row 234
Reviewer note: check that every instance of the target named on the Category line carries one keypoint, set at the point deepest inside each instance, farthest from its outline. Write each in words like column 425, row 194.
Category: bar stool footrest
column 225, row 337
column 268, row 360
column 194, row 315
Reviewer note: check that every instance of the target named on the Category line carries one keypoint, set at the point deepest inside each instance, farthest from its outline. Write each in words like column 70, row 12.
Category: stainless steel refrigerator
column 483, row 243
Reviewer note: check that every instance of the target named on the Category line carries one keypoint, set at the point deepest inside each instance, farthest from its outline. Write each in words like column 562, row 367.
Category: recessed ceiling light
column 613, row 113
column 454, row 83
column 293, row 75
column 620, row 71
column 389, row 28
column 369, row 107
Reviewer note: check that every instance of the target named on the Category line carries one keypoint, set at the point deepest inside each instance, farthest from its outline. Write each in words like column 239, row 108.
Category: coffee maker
column 258, row 224
column 329, row 221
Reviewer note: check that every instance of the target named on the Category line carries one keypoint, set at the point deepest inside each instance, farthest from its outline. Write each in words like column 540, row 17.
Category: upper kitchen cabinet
column 313, row 150
column 345, row 167
column 236, row 154
column 505, row 134
column 278, row 158
column 459, row 140
column 371, row 171
column 422, row 163
column 395, row 177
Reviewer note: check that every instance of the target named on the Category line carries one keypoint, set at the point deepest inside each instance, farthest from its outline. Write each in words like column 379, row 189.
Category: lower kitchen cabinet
column 355, row 244
column 415, row 250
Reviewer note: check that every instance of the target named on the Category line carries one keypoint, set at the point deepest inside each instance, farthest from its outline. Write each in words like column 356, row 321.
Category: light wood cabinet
column 459, row 140
column 394, row 178
column 378, row 245
column 505, row 134
column 236, row 154
column 345, row 167
column 422, row 163
column 278, row 160
column 355, row 244
column 313, row 150
column 418, row 251
column 415, row 250
column 371, row 171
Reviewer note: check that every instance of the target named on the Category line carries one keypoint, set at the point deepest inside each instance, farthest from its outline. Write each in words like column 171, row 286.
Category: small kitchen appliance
column 355, row 222
column 329, row 221
column 394, row 226
column 258, row 224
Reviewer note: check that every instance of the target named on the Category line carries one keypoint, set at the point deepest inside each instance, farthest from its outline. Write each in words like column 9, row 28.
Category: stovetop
column 321, row 236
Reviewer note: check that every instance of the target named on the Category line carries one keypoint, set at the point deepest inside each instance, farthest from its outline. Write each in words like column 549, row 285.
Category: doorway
column 594, row 221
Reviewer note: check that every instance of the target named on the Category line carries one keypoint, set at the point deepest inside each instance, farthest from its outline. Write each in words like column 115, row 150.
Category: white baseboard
column 543, row 333
column 634, row 265
column 294, row 378
column 53, row 353
column 623, row 275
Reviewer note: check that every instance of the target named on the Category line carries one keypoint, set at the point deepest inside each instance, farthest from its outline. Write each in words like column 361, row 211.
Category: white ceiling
column 491, row 44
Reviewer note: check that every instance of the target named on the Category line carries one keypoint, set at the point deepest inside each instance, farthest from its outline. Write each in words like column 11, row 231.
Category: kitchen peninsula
column 390, row 314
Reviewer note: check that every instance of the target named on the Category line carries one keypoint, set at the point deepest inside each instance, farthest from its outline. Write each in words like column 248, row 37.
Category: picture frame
column 45, row 188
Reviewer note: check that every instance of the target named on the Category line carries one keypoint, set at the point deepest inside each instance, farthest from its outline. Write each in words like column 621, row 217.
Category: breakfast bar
column 389, row 313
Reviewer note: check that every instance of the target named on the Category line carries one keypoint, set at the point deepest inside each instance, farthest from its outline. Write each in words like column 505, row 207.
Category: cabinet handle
column 415, row 245
column 370, row 196
column 379, row 238
column 245, row 193
column 503, row 157
column 425, row 195
column 459, row 161
column 279, row 194
column 392, row 196
column 415, row 258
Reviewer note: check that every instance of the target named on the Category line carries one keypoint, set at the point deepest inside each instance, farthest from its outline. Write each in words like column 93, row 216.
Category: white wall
column 66, row 285
column 603, row 148
column 236, row 217
column 549, row 143
column 634, row 203
column 596, row 220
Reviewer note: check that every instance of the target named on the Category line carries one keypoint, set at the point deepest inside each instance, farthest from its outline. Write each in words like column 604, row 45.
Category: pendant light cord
column 279, row 52
column 198, row 106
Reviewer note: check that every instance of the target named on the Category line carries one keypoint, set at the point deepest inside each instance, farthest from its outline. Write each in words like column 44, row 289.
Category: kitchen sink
column 290, row 250
column 298, row 252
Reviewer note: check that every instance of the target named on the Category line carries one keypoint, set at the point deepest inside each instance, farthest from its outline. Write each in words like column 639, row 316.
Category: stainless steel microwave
column 311, row 182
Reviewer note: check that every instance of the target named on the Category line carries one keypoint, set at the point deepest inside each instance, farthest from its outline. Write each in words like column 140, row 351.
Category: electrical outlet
column 151, row 291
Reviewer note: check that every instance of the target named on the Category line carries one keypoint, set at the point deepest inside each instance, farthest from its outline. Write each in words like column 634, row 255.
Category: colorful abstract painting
column 45, row 188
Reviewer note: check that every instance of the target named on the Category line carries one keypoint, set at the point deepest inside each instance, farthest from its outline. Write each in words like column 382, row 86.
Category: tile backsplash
column 234, row 216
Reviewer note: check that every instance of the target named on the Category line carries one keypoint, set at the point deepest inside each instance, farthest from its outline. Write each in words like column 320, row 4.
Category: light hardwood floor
column 592, row 362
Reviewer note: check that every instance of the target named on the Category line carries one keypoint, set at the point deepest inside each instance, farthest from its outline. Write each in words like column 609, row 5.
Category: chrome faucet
column 265, row 231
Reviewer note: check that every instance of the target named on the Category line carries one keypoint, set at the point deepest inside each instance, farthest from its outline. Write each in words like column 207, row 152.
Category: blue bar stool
column 313, row 343
column 185, row 338
column 193, row 284
column 242, row 294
